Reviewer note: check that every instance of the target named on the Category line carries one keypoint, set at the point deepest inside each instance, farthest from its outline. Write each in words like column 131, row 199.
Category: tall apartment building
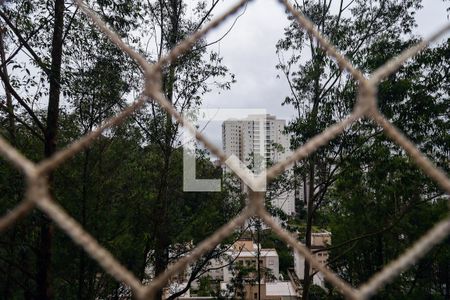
column 260, row 137
column 256, row 134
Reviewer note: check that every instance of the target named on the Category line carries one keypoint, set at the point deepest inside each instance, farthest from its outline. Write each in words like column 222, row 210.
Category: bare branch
column 22, row 102
column 34, row 132
column 25, row 43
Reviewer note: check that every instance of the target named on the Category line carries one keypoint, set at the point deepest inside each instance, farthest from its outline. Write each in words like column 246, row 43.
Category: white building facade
column 246, row 254
column 319, row 241
column 259, row 140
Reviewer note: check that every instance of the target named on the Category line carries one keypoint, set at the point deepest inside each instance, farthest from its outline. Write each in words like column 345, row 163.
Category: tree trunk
column 258, row 232
column 318, row 58
column 82, row 254
column 309, row 220
column 43, row 279
column 447, row 282
column 162, row 240
column 9, row 105
column 12, row 140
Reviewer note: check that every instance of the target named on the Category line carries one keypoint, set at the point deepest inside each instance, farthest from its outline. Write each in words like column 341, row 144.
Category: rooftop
column 280, row 288
column 246, row 253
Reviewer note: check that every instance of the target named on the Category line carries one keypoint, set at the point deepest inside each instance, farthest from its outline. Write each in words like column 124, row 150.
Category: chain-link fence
column 37, row 193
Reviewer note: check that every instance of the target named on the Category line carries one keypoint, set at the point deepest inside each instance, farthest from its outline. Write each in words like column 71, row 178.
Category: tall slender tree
column 320, row 89
column 84, row 71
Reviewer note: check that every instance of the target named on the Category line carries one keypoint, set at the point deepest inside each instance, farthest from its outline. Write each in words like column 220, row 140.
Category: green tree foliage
column 361, row 170
column 126, row 188
column 379, row 186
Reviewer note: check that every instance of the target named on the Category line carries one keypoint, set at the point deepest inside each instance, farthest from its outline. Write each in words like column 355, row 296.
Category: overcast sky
column 249, row 52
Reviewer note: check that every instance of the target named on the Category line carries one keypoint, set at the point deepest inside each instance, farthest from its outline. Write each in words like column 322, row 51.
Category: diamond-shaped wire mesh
column 37, row 194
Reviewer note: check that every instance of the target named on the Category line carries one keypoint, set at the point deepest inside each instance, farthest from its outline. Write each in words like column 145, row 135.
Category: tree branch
column 34, row 132
column 387, row 228
column 205, row 17
column 22, row 102
column 25, row 43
